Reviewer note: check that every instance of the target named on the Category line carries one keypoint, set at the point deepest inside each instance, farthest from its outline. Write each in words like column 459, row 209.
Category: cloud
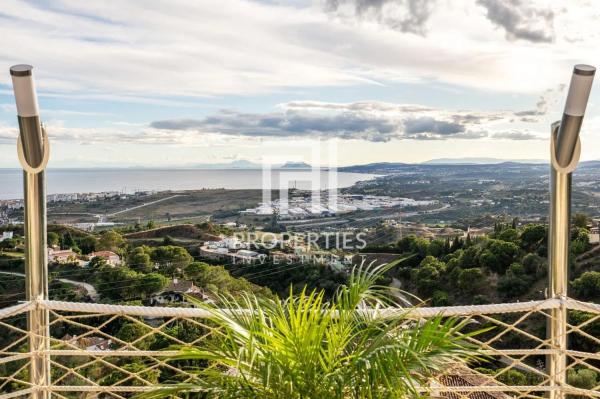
column 134, row 52
column 367, row 120
column 547, row 99
column 407, row 16
column 289, row 124
column 519, row 20
column 516, row 135
column 428, row 124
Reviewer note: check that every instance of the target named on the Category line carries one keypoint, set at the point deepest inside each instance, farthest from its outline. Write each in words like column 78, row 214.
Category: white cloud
column 144, row 51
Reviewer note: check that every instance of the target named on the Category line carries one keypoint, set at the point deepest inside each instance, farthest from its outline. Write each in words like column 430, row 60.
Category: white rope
column 583, row 306
column 110, row 353
column 149, row 311
column 16, row 394
column 16, row 309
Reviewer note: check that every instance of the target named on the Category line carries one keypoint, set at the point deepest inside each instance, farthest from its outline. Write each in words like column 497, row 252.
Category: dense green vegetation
column 508, row 265
column 307, row 347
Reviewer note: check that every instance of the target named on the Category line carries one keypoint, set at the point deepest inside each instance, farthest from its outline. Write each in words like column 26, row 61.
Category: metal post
column 33, row 155
column 565, row 148
column 558, row 261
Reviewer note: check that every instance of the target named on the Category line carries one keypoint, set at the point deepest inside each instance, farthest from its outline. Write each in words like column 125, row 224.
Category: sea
column 65, row 181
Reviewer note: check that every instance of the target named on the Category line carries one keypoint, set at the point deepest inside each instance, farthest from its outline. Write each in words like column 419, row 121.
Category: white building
column 61, row 256
column 110, row 257
column 6, row 235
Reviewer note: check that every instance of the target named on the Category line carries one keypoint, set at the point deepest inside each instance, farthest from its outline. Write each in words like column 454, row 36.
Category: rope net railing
column 115, row 351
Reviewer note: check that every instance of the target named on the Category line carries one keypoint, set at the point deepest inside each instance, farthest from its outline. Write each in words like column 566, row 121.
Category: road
column 102, row 218
column 91, row 291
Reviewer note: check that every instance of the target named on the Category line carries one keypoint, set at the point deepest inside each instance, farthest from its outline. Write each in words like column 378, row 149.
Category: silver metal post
column 558, row 261
column 565, row 148
column 33, row 154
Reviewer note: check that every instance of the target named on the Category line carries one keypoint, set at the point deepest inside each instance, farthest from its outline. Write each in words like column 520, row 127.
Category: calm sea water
column 61, row 181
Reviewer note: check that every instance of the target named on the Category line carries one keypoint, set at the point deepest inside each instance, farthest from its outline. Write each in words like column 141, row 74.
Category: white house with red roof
column 110, row 257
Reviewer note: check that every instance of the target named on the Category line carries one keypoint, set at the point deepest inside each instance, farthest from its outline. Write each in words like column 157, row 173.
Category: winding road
column 91, row 291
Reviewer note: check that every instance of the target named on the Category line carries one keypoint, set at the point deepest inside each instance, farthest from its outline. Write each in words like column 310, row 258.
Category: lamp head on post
column 33, row 145
column 570, row 125
column 24, row 89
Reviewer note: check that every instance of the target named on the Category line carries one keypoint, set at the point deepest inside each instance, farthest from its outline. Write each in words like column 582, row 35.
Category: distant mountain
column 478, row 161
column 244, row 164
column 295, row 165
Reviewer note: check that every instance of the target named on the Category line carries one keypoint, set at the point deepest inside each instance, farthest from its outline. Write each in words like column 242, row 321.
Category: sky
column 181, row 83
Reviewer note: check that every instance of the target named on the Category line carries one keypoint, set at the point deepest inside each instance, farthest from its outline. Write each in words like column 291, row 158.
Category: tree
column 515, row 282
column 110, row 241
column 53, row 239
column 468, row 241
column 436, row 248
column 132, row 333
column 9, row 243
column 587, row 286
column 117, row 283
column 533, row 236
column 150, row 225
column 194, row 270
column 505, row 253
column 469, row 257
column 534, row 265
column 456, row 244
column 97, row 263
column 136, row 367
column 472, row 280
column 510, row 235
column 171, row 259
column 427, row 275
column 139, row 260
column 440, row 298
column 580, row 241
column 87, row 244
column 67, row 241
column 149, row 284
column 488, row 260
column 583, row 378
column 580, row 220
column 513, row 378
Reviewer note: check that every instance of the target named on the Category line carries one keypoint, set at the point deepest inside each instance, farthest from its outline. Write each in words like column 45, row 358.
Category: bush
column 515, row 282
column 534, row 265
column 440, row 298
column 587, row 286
column 504, row 252
column 513, row 378
column 583, row 378
column 471, row 280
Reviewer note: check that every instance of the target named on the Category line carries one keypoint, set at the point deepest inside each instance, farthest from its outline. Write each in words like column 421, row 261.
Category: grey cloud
column 328, row 121
column 519, row 20
column 515, row 136
column 401, row 15
column 290, row 124
column 433, row 126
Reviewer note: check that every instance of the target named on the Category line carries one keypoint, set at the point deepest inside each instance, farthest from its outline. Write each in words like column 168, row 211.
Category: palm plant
column 358, row 345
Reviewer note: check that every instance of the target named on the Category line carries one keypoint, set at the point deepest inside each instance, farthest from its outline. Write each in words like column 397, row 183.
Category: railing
column 99, row 350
